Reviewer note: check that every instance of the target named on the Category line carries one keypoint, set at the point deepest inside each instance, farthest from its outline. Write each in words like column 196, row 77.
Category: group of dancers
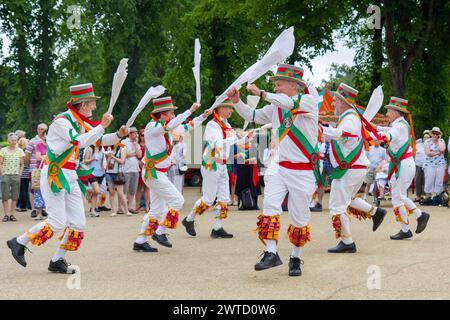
column 294, row 118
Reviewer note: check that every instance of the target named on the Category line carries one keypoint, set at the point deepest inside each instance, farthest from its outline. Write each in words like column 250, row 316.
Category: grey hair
column 12, row 135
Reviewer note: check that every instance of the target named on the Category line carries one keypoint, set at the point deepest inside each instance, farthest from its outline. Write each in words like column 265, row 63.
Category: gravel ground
column 205, row 268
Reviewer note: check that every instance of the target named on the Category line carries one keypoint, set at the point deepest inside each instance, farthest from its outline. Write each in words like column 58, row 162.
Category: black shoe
column 162, row 240
column 33, row 214
column 294, row 267
column 422, row 222
column 189, row 225
column 17, row 251
column 377, row 218
column 316, row 208
column 97, row 210
column 221, row 233
column 60, row 266
column 269, row 260
column 104, row 208
column 145, row 247
column 402, row 235
column 44, row 213
column 343, row 248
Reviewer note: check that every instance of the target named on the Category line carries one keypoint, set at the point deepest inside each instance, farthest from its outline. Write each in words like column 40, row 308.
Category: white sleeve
column 259, row 116
column 67, row 133
column 183, row 128
column 213, row 135
column 280, row 100
column 178, row 120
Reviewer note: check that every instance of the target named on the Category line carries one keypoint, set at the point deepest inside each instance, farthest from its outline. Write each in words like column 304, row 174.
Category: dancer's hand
column 106, row 120
column 234, row 95
column 194, row 107
column 254, row 90
column 207, row 113
column 123, row 131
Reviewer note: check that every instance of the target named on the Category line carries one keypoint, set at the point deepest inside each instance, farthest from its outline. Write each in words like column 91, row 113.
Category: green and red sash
column 209, row 155
column 348, row 162
column 56, row 179
column 397, row 157
column 287, row 128
column 151, row 162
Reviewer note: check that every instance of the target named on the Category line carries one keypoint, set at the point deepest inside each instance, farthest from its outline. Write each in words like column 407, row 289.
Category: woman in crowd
column 93, row 157
column 39, row 204
column 115, row 158
column 11, row 168
column 434, row 167
column 141, row 184
column 23, row 202
column 419, row 179
column 247, row 176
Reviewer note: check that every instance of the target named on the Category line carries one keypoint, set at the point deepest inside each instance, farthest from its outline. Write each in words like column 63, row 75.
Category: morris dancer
column 402, row 168
column 295, row 117
column 219, row 137
column 165, row 200
column 349, row 159
column 60, row 181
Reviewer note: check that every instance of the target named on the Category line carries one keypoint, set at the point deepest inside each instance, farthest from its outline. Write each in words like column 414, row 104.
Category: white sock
column 346, row 229
column 23, row 239
column 141, row 239
column 191, row 216
column 60, row 253
column 295, row 252
column 160, row 230
column 271, row 246
column 217, row 224
column 404, row 216
column 418, row 213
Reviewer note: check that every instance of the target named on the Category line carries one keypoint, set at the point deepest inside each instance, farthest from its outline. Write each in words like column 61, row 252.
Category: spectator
column 232, row 173
column 11, row 168
column 23, row 203
column 30, row 157
column 39, row 203
column 131, row 167
column 381, row 179
column 434, row 167
column 141, row 184
column 94, row 159
column 178, row 160
column 115, row 158
column 247, row 177
column 419, row 179
column 327, row 169
column 376, row 154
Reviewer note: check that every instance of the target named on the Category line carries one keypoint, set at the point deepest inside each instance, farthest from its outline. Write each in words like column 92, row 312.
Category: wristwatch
column 261, row 93
column 117, row 134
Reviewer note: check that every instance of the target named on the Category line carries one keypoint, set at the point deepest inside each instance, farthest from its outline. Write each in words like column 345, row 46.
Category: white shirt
column 420, row 153
column 349, row 122
column 307, row 122
column 131, row 163
column 154, row 134
column 61, row 130
column 214, row 137
column 398, row 134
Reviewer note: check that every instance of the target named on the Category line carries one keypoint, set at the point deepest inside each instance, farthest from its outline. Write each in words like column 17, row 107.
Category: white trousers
column 63, row 208
column 434, row 179
column 163, row 195
column 401, row 184
column 344, row 189
column 215, row 184
column 300, row 184
column 178, row 182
